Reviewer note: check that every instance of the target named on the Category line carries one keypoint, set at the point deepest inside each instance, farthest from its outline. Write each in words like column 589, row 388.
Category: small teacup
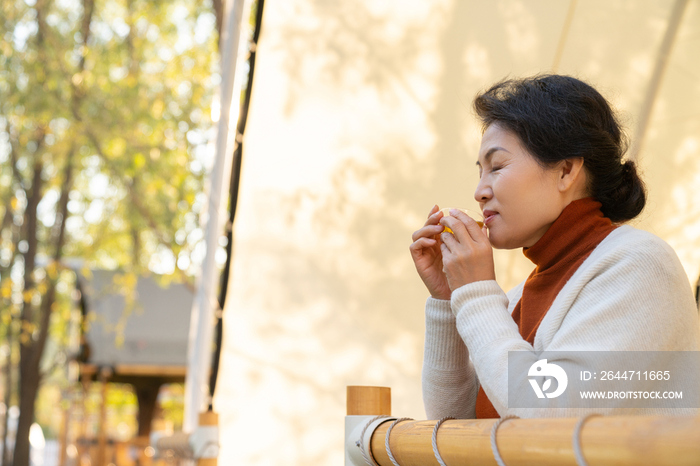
column 478, row 218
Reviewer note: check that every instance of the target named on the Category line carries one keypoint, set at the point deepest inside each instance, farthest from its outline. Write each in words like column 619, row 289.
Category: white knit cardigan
column 630, row 294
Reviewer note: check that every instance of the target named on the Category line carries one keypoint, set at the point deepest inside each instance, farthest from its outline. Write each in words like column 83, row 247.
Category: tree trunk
column 29, row 386
column 7, row 369
column 31, row 350
column 219, row 6
column 147, row 397
column 29, row 377
column 30, row 353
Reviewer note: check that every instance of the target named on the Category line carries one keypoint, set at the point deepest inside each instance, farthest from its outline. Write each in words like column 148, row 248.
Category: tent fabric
column 361, row 121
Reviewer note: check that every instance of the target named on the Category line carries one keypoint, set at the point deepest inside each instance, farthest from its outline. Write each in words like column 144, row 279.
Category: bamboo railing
column 604, row 440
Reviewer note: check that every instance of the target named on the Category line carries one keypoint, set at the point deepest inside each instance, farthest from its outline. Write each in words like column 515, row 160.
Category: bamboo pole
column 368, row 401
column 662, row 59
column 208, row 419
column 613, row 440
column 205, row 304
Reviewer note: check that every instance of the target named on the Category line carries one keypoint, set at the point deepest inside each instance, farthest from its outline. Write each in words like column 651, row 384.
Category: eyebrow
column 489, row 153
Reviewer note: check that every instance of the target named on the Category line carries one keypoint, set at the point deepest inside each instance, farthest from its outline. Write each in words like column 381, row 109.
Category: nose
column 483, row 191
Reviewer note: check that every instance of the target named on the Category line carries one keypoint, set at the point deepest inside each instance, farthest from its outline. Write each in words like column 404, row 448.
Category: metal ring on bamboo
column 494, row 445
column 386, row 440
column 578, row 453
column 369, row 458
column 435, row 447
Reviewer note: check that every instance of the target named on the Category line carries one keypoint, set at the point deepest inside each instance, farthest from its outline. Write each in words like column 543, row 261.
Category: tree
column 103, row 133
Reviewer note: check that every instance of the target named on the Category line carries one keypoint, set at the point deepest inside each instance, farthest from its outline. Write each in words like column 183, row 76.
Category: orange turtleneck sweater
column 557, row 255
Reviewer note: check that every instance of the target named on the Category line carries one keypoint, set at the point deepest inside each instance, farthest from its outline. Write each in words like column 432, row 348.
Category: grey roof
column 155, row 330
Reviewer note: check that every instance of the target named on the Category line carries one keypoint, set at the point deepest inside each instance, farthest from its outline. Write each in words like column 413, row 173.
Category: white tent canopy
column 361, row 121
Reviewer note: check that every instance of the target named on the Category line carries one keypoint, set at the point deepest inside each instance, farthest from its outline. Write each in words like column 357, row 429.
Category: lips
column 489, row 215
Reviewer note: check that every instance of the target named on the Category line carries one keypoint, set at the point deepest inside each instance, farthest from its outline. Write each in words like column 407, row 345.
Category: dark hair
column 560, row 117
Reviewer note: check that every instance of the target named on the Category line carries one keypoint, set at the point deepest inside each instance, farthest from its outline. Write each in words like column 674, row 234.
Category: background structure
column 361, row 121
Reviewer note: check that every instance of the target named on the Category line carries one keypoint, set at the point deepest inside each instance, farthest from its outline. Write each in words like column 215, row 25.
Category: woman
column 552, row 182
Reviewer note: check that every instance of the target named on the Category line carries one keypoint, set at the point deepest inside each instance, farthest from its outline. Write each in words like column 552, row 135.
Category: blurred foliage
column 172, row 404
column 122, row 409
column 104, row 125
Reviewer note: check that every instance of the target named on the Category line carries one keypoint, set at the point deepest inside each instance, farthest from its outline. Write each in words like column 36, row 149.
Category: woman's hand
column 467, row 255
column 425, row 251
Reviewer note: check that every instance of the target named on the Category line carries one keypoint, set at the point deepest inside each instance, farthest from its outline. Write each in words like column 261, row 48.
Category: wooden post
column 63, row 429
column 363, row 403
column 105, row 373
column 208, row 419
column 368, row 401
column 121, row 453
column 81, row 439
column 63, row 433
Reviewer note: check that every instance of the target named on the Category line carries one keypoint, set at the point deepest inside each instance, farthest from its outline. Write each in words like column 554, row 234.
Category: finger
column 427, row 231
column 457, row 227
column 422, row 243
column 446, row 255
column 434, row 217
column 471, row 227
column 431, row 214
column 444, row 249
column 449, row 241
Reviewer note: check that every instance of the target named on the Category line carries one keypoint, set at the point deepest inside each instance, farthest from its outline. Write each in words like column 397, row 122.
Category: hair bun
column 627, row 200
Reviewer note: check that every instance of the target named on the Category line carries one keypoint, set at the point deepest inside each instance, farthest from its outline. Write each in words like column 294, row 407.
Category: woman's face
column 519, row 199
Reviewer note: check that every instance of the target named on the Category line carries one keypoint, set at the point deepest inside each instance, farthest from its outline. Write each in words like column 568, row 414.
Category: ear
column 571, row 175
